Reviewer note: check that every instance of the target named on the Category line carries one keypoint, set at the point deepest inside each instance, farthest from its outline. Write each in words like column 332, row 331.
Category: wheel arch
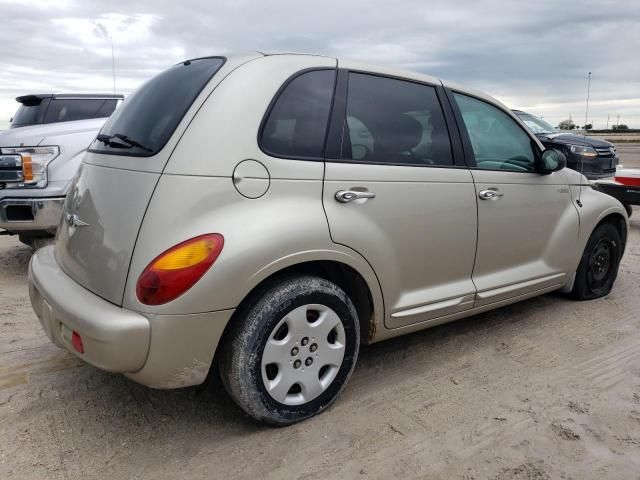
column 620, row 223
column 363, row 292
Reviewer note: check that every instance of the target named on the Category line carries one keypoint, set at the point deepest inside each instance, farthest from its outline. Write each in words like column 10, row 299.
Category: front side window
column 297, row 123
column 498, row 142
column 145, row 121
column 394, row 121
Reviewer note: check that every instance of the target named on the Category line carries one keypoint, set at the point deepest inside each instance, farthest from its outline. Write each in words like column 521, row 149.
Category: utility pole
column 113, row 66
column 607, row 121
column 586, row 113
column 618, row 121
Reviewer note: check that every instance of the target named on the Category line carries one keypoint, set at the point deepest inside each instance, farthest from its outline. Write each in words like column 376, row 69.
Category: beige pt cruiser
column 267, row 214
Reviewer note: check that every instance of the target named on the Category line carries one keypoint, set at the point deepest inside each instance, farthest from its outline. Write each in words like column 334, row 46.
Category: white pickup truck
column 40, row 154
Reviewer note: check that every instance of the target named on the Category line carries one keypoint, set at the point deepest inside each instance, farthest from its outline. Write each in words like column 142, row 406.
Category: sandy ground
column 545, row 389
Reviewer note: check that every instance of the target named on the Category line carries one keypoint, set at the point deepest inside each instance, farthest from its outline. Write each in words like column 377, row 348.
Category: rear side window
column 145, row 121
column 106, row 109
column 68, row 110
column 297, row 123
column 394, row 121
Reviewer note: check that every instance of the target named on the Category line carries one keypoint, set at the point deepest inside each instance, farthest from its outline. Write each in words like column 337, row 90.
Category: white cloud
column 532, row 55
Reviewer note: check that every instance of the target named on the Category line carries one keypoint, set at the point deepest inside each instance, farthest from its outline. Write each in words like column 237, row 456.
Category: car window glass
column 149, row 116
column 395, row 121
column 536, row 125
column 498, row 142
column 297, row 122
column 106, row 109
column 26, row 115
column 67, row 110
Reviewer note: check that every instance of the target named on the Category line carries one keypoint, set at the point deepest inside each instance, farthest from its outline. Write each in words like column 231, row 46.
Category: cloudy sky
column 531, row 54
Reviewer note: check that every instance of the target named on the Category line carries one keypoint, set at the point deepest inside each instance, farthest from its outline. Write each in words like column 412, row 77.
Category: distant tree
column 619, row 127
column 588, row 126
column 566, row 125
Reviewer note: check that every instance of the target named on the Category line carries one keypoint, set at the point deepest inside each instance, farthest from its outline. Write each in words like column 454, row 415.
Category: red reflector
column 628, row 181
column 76, row 341
column 178, row 269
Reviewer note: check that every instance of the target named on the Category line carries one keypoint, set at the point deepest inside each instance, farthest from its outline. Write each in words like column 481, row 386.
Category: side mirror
column 551, row 161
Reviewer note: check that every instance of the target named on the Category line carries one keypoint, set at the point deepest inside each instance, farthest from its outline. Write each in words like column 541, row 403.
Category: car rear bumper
column 160, row 351
column 114, row 339
column 30, row 214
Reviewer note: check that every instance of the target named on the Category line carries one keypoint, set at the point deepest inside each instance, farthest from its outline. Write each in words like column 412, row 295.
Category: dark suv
column 63, row 107
column 594, row 157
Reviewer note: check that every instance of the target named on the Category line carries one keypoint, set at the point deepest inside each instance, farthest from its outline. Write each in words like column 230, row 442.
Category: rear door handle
column 344, row 196
column 490, row 194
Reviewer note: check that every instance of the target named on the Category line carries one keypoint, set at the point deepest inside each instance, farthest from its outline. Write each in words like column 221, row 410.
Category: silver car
column 268, row 214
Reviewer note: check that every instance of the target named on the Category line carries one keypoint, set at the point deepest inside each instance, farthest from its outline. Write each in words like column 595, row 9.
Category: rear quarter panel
column 285, row 227
column 196, row 195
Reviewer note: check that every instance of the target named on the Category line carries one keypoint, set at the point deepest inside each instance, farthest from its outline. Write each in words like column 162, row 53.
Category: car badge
column 74, row 221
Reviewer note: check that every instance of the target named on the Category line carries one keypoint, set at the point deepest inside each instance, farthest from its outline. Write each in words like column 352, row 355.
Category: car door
column 394, row 193
column 527, row 223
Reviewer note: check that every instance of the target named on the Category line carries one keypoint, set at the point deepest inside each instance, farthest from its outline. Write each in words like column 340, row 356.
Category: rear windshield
column 142, row 125
column 26, row 115
column 67, row 110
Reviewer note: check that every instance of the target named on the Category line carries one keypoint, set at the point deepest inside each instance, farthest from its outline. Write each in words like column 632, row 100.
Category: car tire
column 291, row 350
column 599, row 264
column 36, row 241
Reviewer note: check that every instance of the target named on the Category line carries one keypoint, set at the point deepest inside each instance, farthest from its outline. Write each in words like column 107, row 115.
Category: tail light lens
column 178, row 269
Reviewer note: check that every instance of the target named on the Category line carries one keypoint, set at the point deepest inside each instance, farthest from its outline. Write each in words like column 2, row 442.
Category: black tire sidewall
column 582, row 290
column 244, row 377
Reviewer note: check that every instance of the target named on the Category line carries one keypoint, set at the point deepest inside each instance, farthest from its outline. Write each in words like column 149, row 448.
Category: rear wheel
column 598, row 267
column 291, row 351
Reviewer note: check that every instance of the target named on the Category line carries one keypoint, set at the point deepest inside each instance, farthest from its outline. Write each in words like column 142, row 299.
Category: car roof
column 391, row 71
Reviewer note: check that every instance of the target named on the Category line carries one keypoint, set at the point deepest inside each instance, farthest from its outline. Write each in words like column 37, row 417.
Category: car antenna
column 584, row 135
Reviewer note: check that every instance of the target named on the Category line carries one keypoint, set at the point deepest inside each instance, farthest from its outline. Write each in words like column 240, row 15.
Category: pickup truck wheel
column 598, row 267
column 291, row 351
column 36, row 241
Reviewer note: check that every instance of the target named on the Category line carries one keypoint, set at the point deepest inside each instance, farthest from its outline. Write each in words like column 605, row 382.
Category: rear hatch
column 108, row 200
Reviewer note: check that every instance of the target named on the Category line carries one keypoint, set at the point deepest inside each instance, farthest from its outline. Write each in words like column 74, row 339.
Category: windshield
column 26, row 115
column 535, row 124
column 142, row 125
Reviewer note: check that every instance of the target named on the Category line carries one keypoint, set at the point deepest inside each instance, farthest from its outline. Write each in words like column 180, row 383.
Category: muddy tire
column 291, row 350
column 599, row 264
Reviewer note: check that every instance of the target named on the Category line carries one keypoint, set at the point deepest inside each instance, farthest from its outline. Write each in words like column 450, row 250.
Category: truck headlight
column 584, row 151
column 34, row 163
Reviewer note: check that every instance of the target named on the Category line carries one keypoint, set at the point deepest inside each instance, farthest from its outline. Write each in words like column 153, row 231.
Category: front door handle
column 344, row 196
column 490, row 194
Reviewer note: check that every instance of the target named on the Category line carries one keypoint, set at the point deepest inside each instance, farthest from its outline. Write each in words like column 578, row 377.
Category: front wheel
column 291, row 351
column 598, row 267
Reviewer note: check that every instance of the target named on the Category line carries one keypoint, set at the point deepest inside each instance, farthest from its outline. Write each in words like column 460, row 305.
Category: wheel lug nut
column 297, row 364
column 294, row 351
column 308, row 361
column 313, row 347
column 304, row 341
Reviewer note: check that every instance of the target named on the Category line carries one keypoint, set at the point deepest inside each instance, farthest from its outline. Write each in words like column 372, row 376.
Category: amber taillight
column 178, row 269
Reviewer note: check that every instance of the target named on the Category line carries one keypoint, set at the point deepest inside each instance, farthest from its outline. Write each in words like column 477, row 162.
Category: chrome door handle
column 490, row 194
column 344, row 196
